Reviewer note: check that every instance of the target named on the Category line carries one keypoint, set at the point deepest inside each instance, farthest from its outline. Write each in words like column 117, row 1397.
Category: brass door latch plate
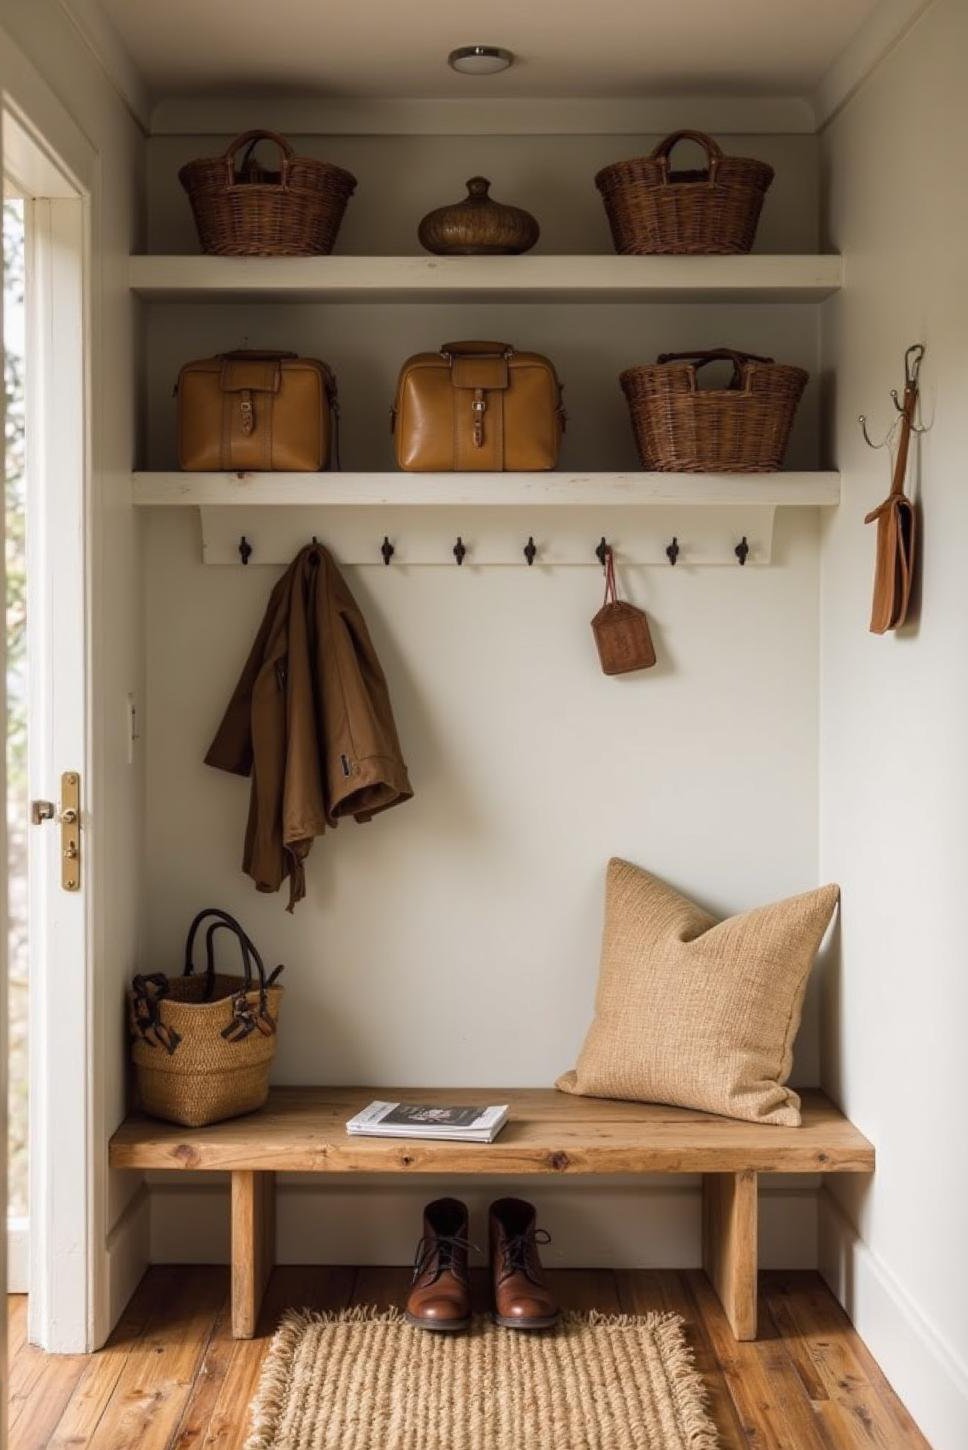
column 70, row 824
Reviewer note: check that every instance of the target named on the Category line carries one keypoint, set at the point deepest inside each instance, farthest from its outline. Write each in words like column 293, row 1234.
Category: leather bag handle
column 246, row 945
column 661, row 153
column 717, row 354
column 256, row 354
column 250, row 139
column 450, row 350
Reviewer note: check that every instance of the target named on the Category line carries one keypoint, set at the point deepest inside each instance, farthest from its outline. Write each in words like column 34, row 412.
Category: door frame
column 67, row 1181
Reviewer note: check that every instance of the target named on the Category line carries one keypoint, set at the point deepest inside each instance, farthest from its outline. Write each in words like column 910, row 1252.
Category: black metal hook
column 245, row 549
column 387, row 550
column 742, row 550
column 459, row 550
column 530, row 550
column 672, row 551
column 601, row 552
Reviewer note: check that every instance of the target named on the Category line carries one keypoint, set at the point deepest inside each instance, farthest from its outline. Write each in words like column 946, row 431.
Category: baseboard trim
column 18, row 1255
column 127, row 1256
column 922, row 1367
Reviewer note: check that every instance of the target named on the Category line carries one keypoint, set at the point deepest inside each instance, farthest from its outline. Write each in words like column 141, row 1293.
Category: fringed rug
column 366, row 1380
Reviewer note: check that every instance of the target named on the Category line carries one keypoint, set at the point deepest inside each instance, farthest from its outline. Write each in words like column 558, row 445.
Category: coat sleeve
column 231, row 749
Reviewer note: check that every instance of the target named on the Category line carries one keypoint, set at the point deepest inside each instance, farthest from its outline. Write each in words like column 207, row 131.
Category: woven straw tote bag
column 202, row 1046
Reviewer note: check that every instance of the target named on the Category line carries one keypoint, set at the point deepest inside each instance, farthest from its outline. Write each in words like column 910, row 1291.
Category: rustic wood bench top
column 302, row 1130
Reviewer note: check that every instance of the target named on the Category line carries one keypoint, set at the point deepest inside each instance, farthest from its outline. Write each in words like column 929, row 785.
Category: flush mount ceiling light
column 480, row 60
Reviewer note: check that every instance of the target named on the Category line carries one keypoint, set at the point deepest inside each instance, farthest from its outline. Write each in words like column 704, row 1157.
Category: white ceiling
column 565, row 47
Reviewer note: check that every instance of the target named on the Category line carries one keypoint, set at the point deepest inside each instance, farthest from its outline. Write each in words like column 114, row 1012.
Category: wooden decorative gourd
column 478, row 226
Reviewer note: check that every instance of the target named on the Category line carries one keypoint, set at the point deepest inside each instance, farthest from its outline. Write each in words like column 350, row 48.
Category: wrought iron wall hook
column 742, row 550
column 460, row 552
column 387, row 550
column 601, row 551
column 530, row 550
column 245, row 549
column 672, row 551
column 912, row 373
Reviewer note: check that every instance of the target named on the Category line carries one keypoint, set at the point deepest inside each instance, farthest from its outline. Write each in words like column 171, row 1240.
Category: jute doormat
column 366, row 1380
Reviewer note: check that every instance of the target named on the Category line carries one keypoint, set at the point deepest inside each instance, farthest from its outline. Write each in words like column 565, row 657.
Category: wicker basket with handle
column 203, row 1045
column 653, row 209
column 682, row 428
column 293, row 212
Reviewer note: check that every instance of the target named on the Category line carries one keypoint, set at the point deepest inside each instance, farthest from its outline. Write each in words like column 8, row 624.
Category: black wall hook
column 530, row 550
column 245, row 549
column 387, row 550
column 601, row 552
column 672, row 551
column 742, row 550
column 459, row 550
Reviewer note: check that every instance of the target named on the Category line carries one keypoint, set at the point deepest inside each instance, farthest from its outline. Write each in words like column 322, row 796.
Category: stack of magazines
column 420, row 1120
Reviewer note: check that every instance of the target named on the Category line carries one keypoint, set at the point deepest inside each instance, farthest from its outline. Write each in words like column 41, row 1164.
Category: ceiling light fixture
column 480, row 60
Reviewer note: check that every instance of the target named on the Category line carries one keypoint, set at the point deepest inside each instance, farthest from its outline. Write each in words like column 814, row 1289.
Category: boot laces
column 443, row 1247
column 521, row 1255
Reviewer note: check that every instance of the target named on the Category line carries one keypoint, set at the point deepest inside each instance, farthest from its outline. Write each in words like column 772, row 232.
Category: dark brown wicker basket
column 293, row 212
column 652, row 209
column 743, row 428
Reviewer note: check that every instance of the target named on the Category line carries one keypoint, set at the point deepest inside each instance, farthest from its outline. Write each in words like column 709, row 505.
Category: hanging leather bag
column 621, row 630
column 477, row 406
column 252, row 412
column 896, row 520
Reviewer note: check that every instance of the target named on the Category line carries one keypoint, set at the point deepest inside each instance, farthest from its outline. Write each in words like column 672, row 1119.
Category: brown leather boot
column 440, row 1297
column 522, row 1299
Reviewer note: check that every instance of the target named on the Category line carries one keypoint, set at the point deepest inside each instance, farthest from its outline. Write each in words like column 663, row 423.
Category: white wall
column 456, row 938
column 894, row 721
column 48, row 71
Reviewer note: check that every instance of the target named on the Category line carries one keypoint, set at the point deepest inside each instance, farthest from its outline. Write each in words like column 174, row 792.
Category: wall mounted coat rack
column 399, row 538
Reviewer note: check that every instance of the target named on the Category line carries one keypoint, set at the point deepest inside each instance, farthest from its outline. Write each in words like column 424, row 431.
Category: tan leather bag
column 477, row 406
column 256, row 412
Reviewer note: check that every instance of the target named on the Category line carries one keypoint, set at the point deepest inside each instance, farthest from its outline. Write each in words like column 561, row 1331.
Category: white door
column 57, row 770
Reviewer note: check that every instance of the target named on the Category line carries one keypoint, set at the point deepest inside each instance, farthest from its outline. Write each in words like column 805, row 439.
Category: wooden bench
column 301, row 1130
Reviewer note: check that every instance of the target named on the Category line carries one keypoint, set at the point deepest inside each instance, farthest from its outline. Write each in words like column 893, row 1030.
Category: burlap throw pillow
column 698, row 1012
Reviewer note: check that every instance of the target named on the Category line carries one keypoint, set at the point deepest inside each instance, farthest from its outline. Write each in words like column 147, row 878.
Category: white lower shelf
column 486, row 490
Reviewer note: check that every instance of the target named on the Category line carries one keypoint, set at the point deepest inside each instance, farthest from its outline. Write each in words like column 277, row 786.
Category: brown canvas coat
column 311, row 721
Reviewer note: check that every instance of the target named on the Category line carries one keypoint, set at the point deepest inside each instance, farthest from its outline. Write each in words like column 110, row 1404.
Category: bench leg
column 253, row 1246
column 729, row 1245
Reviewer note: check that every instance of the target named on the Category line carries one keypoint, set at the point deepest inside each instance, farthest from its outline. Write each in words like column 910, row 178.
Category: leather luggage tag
column 621, row 631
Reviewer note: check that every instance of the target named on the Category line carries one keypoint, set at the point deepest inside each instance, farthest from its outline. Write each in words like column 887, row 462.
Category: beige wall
column 894, row 713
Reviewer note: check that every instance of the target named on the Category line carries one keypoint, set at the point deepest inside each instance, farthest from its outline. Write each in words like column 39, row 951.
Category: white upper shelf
column 495, row 490
column 531, row 278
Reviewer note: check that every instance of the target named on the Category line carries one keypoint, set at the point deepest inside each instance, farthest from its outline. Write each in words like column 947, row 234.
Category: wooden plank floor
column 172, row 1378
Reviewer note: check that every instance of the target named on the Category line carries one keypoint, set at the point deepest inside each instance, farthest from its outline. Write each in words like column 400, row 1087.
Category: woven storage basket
column 682, row 428
column 203, row 1045
column 652, row 208
column 295, row 212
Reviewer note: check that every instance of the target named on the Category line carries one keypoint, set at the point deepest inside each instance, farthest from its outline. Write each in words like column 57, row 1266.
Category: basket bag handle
column 244, row 1020
column 717, row 354
column 661, row 153
column 251, row 140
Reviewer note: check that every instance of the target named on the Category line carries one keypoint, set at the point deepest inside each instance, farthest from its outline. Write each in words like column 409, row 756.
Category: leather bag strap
column 471, row 348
